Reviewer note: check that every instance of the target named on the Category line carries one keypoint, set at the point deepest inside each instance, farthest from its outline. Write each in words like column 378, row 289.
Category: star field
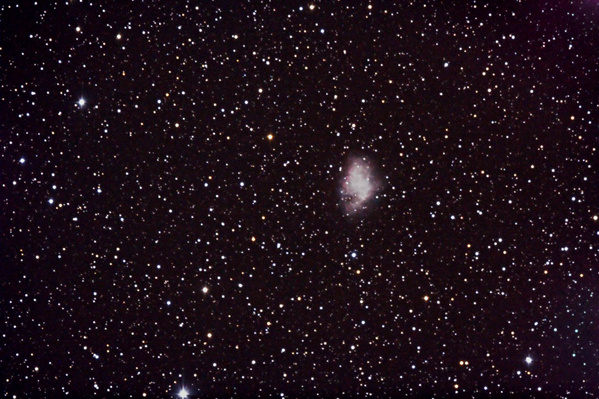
column 326, row 199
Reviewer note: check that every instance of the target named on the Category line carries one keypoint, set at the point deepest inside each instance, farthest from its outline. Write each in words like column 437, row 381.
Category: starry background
column 171, row 216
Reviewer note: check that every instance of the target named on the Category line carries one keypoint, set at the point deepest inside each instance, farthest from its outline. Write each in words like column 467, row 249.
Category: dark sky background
column 172, row 212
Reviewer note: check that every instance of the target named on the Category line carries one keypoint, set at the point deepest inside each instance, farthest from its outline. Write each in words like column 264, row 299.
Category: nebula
column 358, row 185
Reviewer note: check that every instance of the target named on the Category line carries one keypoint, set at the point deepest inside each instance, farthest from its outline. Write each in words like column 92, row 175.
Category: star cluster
column 326, row 199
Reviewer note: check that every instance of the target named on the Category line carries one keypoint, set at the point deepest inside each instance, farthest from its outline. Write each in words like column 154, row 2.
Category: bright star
column 183, row 393
column 528, row 360
column 81, row 102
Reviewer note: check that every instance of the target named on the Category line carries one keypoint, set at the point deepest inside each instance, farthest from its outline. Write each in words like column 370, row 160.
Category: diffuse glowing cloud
column 358, row 185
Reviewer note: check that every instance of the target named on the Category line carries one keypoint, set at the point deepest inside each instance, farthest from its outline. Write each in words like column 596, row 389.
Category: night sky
column 327, row 199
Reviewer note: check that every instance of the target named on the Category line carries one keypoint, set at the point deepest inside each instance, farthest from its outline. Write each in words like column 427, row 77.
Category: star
column 81, row 102
column 183, row 393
